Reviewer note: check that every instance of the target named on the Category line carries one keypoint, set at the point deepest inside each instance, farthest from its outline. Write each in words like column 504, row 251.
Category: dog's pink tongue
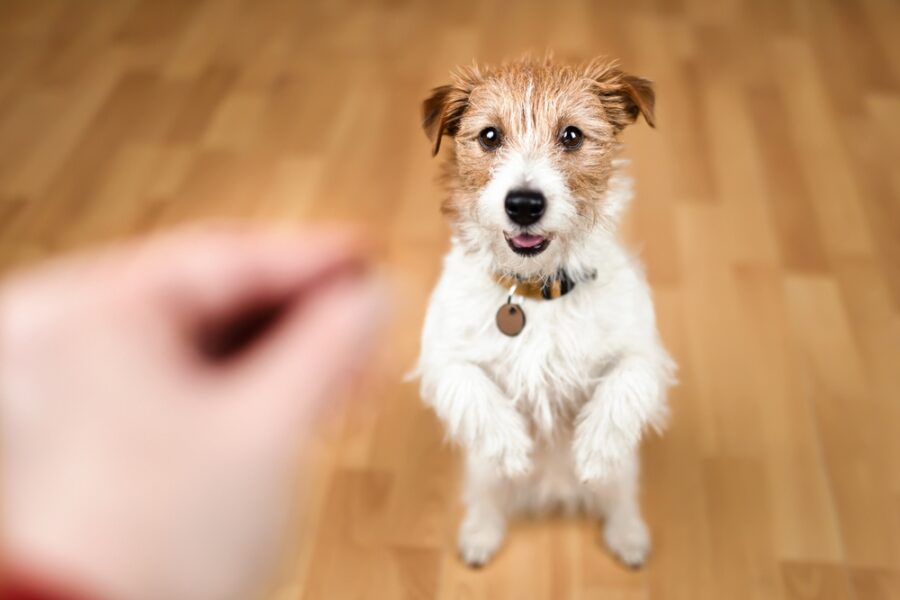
column 526, row 240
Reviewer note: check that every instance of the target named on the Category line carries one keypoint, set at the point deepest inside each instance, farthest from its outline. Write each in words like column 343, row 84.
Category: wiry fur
column 552, row 417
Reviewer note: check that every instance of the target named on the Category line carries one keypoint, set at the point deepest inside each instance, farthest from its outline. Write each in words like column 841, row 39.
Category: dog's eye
column 489, row 138
column 571, row 138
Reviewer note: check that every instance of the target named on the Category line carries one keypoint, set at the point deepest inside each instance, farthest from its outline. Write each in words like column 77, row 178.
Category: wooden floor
column 768, row 215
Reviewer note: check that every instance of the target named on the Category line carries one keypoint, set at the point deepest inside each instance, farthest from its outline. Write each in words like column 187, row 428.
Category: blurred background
column 767, row 214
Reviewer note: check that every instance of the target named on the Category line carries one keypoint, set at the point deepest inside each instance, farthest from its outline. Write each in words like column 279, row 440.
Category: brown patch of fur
column 624, row 96
column 531, row 101
column 444, row 108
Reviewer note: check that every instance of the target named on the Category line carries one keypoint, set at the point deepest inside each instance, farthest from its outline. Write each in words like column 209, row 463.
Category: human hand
column 152, row 397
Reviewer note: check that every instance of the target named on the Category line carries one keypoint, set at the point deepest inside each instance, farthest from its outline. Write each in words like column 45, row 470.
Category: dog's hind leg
column 616, row 501
column 483, row 528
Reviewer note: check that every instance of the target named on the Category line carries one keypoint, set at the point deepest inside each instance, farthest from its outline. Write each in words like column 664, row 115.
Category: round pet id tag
column 511, row 319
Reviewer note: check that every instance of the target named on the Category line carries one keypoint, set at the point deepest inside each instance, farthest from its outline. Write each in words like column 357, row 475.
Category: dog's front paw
column 600, row 454
column 515, row 461
column 628, row 538
column 508, row 446
column 512, row 458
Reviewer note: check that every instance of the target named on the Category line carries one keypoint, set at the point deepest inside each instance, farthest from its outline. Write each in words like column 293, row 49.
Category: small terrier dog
column 540, row 351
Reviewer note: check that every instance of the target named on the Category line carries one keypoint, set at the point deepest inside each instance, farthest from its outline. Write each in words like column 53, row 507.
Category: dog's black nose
column 525, row 207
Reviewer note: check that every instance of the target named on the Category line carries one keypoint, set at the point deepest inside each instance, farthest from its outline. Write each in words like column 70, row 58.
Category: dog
column 540, row 353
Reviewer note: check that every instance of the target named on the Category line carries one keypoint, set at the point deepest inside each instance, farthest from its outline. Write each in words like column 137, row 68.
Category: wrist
column 70, row 541
column 67, row 566
column 19, row 583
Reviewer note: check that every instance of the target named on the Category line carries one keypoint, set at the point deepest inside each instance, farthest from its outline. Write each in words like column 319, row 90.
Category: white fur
column 552, row 417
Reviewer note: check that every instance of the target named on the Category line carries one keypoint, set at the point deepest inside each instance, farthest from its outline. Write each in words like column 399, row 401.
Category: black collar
column 550, row 288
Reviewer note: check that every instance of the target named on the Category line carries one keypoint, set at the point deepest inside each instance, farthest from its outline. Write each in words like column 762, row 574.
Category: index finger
column 202, row 275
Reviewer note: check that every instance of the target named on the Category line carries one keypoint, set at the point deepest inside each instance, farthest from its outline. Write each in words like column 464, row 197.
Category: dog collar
column 511, row 317
column 538, row 289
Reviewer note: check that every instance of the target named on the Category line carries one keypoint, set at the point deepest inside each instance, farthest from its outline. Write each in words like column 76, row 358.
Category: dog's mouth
column 527, row 244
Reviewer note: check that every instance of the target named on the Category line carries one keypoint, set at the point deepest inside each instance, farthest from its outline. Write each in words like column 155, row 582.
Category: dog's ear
column 443, row 109
column 639, row 98
column 441, row 113
column 624, row 96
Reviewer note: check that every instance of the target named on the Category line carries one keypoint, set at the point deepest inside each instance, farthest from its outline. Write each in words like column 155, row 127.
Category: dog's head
column 535, row 143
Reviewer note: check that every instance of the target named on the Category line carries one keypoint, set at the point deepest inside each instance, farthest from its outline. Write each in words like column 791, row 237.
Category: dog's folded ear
column 444, row 108
column 640, row 98
column 441, row 113
column 624, row 96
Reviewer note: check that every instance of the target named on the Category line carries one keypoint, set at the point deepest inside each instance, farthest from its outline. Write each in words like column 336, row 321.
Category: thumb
column 318, row 347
